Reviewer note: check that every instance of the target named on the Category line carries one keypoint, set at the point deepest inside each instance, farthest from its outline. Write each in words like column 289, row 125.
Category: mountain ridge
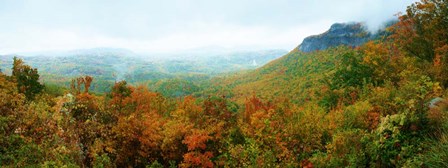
column 351, row 34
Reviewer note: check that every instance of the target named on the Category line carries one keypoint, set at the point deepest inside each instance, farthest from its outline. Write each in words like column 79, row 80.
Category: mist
column 177, row 25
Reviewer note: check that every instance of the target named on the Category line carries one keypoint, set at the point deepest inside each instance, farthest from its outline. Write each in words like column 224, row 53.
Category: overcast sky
column 174, row 25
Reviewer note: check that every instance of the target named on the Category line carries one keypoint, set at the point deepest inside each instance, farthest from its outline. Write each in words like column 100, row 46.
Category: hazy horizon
column 178, row 25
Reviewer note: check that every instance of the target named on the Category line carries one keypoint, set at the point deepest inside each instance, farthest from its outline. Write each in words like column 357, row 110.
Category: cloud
column 172, row 25
column 200, row 35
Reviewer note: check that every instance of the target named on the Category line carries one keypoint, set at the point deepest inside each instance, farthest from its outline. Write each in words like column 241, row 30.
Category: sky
column 146, row 26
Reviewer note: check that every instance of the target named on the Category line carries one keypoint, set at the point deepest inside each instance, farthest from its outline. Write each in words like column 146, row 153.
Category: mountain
column 76, row 52
column 299, row 74
column 350, row 34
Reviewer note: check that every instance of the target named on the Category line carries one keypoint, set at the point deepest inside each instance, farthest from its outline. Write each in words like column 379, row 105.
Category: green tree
column 27, row 79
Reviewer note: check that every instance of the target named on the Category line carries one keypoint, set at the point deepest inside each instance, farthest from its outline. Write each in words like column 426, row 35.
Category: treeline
column 380, row 105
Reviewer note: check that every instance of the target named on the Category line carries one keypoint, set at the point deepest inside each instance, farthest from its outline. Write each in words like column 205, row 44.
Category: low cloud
column 172, row 25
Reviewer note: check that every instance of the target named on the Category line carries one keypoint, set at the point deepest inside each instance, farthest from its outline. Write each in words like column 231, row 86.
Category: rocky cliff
column 350, row 34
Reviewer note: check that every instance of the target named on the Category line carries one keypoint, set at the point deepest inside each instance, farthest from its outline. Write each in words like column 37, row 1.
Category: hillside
column 300, row 74
column 296, row 75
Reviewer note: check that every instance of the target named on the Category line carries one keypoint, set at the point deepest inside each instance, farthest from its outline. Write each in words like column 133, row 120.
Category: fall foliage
column 383, row 104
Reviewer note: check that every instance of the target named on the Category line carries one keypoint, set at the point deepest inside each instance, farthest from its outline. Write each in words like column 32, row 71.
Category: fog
column 178, row 25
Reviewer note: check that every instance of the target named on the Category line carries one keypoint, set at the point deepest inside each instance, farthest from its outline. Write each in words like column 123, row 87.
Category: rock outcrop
column 350, row 34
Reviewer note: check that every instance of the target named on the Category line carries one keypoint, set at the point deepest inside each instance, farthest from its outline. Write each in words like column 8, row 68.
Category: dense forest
column 382, row 104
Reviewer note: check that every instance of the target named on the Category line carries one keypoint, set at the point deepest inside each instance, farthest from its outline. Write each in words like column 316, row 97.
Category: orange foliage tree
column 423, row 32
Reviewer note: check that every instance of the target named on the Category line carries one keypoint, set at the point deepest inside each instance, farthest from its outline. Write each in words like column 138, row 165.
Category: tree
column 423, row 32
column 77, row 83
column 119, row 92
column 27, row 79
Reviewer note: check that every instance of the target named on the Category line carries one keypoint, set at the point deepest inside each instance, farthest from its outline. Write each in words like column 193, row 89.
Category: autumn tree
column 12, row 110
column 27, row 79
column 85, row 115
column 29, row 131
column 119, row 92
column 78, row 83
column 423, row 32
column 138, row 132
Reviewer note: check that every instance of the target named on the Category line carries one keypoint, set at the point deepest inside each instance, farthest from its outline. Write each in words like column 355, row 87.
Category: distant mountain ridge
column 108, row 65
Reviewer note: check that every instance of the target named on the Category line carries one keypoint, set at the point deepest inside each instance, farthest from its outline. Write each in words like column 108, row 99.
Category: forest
column 382, row 104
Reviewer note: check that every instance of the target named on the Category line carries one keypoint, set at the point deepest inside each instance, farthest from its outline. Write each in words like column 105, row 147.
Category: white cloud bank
column 173, row 25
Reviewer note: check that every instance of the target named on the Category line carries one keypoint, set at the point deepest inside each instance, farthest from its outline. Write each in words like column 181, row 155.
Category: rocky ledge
column 350, row 34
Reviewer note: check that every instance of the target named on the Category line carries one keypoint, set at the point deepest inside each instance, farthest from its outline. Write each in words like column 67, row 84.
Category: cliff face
column 350, row 34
